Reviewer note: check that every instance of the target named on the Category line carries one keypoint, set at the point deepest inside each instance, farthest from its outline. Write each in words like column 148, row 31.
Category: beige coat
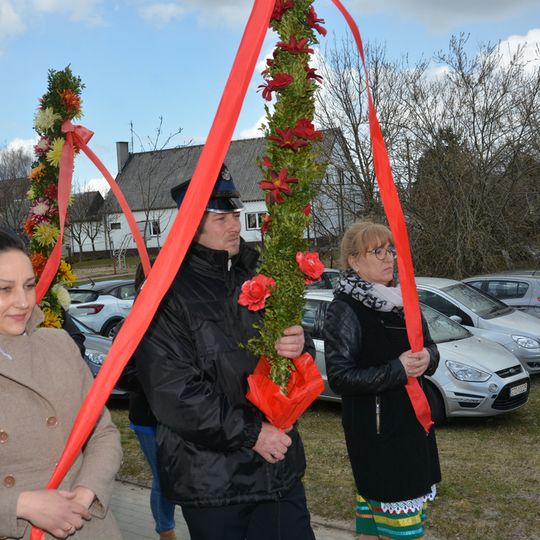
column 43, row 381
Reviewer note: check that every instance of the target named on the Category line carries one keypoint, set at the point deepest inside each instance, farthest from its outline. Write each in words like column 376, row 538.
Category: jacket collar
column 217, row 261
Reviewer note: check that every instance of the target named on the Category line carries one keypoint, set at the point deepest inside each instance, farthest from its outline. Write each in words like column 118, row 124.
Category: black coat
column 194, row 374
column 391, row 456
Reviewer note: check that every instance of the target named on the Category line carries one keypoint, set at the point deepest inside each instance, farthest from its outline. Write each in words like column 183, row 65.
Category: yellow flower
column 30, row 194
column 61, row 295
column 65, row 273
column 45, row 119
column 55, row 153
column 46, row 234
column 51, row 319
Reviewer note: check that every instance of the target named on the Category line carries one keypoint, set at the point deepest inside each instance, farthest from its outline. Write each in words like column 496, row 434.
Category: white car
column 475, row 377
column 102, row 305
column 485, row 316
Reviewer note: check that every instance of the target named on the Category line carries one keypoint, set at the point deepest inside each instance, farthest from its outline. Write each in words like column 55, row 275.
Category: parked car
column 328, row 279
column 519, row 289
column 485, row 316
column 97, row 348
column 102, row 305
column 475, row 377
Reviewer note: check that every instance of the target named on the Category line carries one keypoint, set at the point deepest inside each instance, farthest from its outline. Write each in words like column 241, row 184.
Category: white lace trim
column 412, row 505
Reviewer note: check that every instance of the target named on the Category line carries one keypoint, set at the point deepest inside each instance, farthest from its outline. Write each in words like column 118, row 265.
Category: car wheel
column 110, row 326
column 438, row 413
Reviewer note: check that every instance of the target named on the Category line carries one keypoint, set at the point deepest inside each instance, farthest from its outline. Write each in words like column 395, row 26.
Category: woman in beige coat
column 43, row 381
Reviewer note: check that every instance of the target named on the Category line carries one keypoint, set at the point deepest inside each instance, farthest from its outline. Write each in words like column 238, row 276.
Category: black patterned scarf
column 372, row 295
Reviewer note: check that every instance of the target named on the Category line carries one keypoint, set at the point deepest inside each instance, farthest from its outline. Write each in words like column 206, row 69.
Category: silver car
column 476, row 377
column 97, row 348
column 519, row 289
column 485, row 316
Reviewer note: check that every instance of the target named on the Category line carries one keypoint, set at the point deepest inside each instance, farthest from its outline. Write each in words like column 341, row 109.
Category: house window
column 116, row 226
column 254, row 220
column 153, row 228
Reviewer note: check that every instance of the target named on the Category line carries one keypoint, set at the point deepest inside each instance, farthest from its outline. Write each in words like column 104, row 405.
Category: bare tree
column 86, row 218
column 463, row 140
column 15, row 164
column 154, row 173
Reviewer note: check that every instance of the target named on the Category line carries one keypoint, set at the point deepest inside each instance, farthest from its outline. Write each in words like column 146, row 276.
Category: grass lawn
column 491, row 471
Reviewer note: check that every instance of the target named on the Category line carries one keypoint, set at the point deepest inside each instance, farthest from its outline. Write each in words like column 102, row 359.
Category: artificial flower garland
column 289, row 168
column 61, row 102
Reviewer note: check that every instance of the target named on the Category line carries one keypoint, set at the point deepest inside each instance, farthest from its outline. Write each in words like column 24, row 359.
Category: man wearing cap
column 235, row 476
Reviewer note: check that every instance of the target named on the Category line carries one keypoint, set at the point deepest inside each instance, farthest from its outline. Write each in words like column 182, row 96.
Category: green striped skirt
column 372, row 520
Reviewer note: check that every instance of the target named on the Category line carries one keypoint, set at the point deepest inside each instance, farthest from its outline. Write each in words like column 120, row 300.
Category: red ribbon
column 175, row 247
column 394, row 214
column 282, row 411
column 78, row 136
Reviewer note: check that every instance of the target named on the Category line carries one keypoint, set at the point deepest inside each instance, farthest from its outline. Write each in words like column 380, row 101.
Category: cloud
column 528, row 44
column 162, row 13
column 254, row 131
column 441, row 15
column 96, row 184
column 26, row 144
column 11, row 22
column 78, row 10
column 232, row 13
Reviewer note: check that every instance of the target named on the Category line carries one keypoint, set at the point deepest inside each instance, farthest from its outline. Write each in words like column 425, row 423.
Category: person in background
column 43, row 382
column 143, row 423
column 235, row 475
column 368, row 360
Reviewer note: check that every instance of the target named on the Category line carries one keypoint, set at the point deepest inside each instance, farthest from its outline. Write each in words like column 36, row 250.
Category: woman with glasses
column 368, row 361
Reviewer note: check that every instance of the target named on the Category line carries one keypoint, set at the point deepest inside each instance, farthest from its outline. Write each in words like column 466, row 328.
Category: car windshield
column 441, row 328
column 333, row 277
column 481, row 304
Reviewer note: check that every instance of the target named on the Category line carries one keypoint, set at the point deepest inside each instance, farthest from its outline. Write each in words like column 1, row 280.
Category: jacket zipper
column 378, row 414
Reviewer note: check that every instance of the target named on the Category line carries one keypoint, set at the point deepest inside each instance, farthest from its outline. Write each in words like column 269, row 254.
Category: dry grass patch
column 490, row 466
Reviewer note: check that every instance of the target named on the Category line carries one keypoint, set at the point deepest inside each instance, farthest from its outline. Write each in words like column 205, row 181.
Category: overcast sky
column 141, row 59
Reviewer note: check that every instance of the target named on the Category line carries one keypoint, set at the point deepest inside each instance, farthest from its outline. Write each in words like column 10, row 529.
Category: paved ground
column 130, row 505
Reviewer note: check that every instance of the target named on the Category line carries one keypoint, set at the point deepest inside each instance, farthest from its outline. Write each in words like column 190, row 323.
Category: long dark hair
column 10, row 241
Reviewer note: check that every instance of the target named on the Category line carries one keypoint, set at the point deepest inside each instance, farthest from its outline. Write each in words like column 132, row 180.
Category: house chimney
column 122, row 155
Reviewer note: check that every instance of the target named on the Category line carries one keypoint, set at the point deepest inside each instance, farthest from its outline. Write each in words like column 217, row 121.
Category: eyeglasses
column 381, row 253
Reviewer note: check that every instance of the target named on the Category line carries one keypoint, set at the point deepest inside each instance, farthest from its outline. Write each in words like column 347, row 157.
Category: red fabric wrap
column 282, row 411
column 394, row 214
column 174, row 249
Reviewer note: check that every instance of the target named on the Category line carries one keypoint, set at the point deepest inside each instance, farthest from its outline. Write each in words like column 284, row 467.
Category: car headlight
column 95, row 357
column 526, row 342
column 463, row 372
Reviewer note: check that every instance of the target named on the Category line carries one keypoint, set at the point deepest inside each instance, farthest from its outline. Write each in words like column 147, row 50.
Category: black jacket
column 391, row 456
column 194, row 374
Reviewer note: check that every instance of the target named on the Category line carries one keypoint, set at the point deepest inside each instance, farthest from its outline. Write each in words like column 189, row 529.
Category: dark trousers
column 286, row 519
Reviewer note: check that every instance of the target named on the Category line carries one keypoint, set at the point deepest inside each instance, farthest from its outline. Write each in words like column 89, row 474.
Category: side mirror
column 456, row 318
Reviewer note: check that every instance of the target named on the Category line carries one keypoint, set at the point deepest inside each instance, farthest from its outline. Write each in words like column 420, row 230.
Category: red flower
column 71, row 100
column 295, row 46
column 265, row 162
column 255, row 292
column 281, row 80
column 38, row 263
column 278, row 185
column 269, row 64
column 286, row 138
column 51, row 192
column 28, row 227
column 306, row 130
column 267, row 219
column 313, row 21
column 310, row 265
column 280, row 7
column 311, row 73
column 307, row 210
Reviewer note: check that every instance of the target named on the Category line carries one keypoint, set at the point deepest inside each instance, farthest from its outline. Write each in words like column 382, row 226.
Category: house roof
column 173, row 166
